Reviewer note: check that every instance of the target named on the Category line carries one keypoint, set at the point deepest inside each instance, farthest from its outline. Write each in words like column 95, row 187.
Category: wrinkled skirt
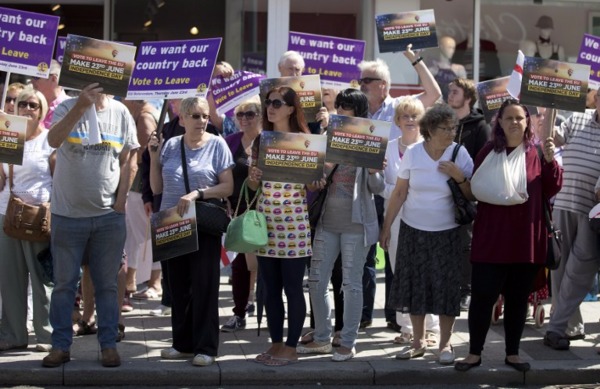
column 428, row 272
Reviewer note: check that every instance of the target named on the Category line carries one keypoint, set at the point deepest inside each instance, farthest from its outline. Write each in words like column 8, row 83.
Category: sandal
column 307, row 338
column 147, row 294
column 83, row 328
column 337, row 339
column 262, row 357
column 278, row 362
column 404, row 338
column 431, row 339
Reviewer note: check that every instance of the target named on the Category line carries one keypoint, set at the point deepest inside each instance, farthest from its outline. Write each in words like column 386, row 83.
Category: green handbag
column 248, row 231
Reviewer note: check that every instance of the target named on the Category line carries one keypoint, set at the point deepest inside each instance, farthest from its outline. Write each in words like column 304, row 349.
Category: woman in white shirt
column 32, row 183
column 427, row 275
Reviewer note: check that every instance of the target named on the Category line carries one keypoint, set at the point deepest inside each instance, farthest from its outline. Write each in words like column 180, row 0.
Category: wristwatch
column 200, row 194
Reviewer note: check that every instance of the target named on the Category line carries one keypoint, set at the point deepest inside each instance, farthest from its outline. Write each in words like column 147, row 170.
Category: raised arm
column 432, row 90
column 89, row 95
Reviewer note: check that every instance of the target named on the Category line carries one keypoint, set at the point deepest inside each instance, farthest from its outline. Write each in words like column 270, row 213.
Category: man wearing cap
column 53, row 92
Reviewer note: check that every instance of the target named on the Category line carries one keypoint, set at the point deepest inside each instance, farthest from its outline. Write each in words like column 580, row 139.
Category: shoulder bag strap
column 10, row 177
column 330, row 176
column 184, row 167
column 455, row 152
column 547, row 216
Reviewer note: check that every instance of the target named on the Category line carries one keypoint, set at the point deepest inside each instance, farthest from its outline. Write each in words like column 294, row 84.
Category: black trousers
column 515, row 283
column 194, row 280
column 240, row 285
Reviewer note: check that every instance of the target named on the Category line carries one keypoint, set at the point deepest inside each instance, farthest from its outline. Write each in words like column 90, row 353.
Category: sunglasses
column 28, row 104
column 9, row 100
column 276, row 103
column 368, row 80
column 248, row 114
column 197, row 116
column 345, row 106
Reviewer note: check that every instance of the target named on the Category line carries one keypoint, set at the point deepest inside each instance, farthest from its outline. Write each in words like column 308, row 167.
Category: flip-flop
column 262, row 357
column 307, row 338
column 404, row 338
column 431, row 339
column 146, row 294
column 278, row 362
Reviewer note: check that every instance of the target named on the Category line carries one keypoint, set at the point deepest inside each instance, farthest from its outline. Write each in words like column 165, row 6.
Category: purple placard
column 230, row 92
column 334, row 59
column 61, row 43
column 27, row 42
column 589, row 54
column 173, row 69
column 254, row 62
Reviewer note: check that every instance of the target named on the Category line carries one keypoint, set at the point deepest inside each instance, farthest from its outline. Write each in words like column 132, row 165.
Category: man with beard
column 472, row 132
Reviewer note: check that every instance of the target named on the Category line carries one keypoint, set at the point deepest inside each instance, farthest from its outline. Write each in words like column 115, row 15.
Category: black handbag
column 211, row 214
column 316, row 207
column 464, row 210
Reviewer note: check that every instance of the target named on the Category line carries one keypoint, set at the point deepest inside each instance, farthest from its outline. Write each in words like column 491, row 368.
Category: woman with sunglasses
column 347, row 225
column 283, row 261
column 194, row 277
column 32, row 183
column 427, row 272
column 11, row 97
column 244, row 267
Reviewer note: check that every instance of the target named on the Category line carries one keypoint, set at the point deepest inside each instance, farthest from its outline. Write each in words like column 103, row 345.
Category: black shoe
column 464, row 366
column 518, row 366
column 365, row 323
column 392, row 325
column 556, row 341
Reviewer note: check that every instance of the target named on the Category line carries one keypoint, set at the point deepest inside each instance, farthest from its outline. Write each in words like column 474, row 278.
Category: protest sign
column 396, row 31
column 12, row 138
column 27, row 42
column 174, row 69
column 228, row 93
column 291, row 157
column 491, row 94
column 554, row 84
column 173, row 235
column 87, row 60
column 254, row 63
column 589, row 54
column 61, row 42
column 335, row 60
column 357, row 141
column 308, row 89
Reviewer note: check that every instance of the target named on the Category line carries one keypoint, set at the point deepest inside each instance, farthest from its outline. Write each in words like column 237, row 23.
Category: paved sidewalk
column 373, row 365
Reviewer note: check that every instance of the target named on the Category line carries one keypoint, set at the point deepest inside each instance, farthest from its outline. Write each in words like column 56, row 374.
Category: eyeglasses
column 29, row 105
column 448, row 129
column 345, row 106
column 248, row 114
column 10, row 100
column 409, row 117
column 368, row 80
column 276, row 103
column 197, row 116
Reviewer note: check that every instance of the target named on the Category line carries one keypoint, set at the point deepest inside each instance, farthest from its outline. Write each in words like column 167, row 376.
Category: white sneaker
column 203, row 360
column 161, row 310
column 171, row 353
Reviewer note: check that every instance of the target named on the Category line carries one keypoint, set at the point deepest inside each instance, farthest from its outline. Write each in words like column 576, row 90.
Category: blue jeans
column 104, row 236
column 326, row 247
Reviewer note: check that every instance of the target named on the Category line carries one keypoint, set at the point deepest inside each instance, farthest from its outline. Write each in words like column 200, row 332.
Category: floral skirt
column 428, row 272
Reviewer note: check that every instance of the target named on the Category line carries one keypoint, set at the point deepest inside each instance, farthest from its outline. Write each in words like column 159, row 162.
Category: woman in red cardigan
column 509, row 235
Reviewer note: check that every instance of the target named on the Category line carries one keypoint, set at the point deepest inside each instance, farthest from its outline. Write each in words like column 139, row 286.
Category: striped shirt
column 581, row 162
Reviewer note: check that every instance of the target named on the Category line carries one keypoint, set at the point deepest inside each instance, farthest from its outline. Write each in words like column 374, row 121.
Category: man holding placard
column 96, row 143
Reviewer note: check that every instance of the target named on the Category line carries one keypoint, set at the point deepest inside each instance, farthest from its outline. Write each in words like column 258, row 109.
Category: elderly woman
column 194, row 277
column 347, row 225
column 406, row 116
column 32, row 183
column 427, row 273
column 283, row 261
column 499, row 267
column 244, row 267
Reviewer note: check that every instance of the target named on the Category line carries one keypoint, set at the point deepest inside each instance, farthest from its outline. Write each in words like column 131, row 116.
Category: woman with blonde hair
column 32, row 183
